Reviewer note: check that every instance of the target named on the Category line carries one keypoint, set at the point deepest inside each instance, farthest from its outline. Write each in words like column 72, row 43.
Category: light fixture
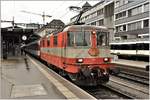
column 106, row 59
column 80, row 60
column 93, row 32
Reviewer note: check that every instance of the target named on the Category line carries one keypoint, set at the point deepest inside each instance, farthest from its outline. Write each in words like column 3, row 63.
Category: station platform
column 132, row 63
column 24, row 77
column 21, row 79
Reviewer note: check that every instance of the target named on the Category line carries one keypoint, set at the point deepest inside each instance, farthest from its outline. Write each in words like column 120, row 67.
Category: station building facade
column 54, row 25
column 131, row 19
column 125, row 19
column 101, row 14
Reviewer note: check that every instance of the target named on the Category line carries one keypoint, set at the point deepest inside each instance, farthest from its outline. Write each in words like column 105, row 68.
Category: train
column 32, row 48
column 81, row 52
column 134, row 49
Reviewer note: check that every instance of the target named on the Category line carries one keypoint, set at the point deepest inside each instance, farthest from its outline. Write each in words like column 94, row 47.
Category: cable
column 69, row 10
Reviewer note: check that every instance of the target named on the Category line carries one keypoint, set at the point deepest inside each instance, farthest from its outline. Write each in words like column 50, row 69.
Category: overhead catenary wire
column 69, row 10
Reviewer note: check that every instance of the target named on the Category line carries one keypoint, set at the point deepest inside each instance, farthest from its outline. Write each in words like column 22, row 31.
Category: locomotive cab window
column 102, row 39
column 70, row 39
column 79, row 38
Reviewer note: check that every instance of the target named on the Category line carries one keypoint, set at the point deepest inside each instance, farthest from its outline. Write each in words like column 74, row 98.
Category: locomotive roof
column 79, row 28
column 85, row 27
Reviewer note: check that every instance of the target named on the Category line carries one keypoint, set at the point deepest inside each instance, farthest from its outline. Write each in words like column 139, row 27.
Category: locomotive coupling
column 86, row 71
column 93, row 71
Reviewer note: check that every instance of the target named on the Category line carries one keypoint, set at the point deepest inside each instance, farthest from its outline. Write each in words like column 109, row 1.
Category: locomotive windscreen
column 79, row 38
column 83, row 38
column 102, row 38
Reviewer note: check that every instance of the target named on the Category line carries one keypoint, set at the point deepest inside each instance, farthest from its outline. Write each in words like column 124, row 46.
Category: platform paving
column 21, row 79
column 139, row 64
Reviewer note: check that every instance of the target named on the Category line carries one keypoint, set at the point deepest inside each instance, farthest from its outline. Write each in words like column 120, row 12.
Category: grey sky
column 57, row 9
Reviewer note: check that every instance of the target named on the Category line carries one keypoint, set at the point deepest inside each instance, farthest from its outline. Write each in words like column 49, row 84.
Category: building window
column 123, row 37
column 101, row 22
column 94, row 23
column 117, row 3
column 55, row 40
column 92, row 15
column 121, row 2
column 117, row 29
column 135, row 11
column 100, row 12
column 134, row 26
column 121, row 28
column 146, row 23
column 122, row 14
column 124, row 27
column 146, row 7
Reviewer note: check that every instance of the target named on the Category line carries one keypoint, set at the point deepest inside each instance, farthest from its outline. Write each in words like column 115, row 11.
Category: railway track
column 119, row 88
column 128, row 88
column 139, row 72
column 131, row 82
column 138, row 75
column 104, row 92
column 134, row 77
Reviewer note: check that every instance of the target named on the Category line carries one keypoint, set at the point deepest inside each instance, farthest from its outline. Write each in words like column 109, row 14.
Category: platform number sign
column 24, row 37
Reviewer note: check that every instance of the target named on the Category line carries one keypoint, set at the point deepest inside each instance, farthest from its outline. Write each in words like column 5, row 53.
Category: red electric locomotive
column 80, row 51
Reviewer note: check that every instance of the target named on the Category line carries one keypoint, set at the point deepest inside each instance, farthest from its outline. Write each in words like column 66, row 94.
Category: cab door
column 63, row 49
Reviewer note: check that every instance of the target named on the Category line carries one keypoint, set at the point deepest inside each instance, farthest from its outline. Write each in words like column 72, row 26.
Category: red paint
column 93, row 51
column 70, row 65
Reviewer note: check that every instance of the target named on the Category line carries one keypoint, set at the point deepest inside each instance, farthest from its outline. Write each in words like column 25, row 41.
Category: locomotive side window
column 55, row 40
column 48, row 42
column 134, row 47
column 140, row 46
column 146, row 46
column 70, row 39
column 102, row 39
column 43, row 43
column 143, row 46
column 112, row 47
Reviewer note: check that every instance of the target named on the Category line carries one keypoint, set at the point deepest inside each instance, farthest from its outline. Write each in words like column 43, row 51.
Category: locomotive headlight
column 93, row 32
column 104, row 73
column 106, row 59
column 80, row 60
